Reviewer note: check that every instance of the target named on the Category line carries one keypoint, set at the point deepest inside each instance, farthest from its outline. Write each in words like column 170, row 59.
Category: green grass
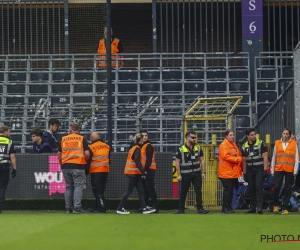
column 56, row 230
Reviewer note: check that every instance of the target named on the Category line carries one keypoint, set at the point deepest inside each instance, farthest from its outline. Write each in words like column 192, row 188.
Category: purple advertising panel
column 252, row 18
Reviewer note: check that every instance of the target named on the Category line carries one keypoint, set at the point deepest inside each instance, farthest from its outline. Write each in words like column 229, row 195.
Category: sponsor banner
column 40, row 176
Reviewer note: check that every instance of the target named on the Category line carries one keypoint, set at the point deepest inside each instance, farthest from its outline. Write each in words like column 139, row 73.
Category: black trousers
column 228, row 184
column 133, row 181
column 149, row 188
column 4, row 178
column 287, row 191
column 98, row 181
column 255, row 179
column 186, row 181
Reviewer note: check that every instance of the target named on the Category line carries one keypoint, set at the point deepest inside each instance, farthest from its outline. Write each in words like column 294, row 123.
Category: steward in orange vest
column 73, row 154
column 284, row 165
column 135, row 173
column 116, row 47
column 99, row 169
column 149, row 164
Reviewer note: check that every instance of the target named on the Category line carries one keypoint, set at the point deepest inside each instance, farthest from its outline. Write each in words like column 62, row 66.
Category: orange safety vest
column 72, row 149
column 131, row 167
column 229, row 165
column 144, row 157
column 100, row 157
column 285, row 160
column 114, row 50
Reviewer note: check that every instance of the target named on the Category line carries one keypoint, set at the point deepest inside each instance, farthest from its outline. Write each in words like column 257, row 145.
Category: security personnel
column 284, row 165
column 135, row 172
column 116, row 47
column 7, row 157
column 229, row 169
column 149, row 164
column 73, row 155
column 255, row 162
column 190, row 166
column 99, row 169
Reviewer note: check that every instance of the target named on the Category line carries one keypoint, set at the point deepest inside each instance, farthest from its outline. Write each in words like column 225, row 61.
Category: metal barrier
column 36, row 88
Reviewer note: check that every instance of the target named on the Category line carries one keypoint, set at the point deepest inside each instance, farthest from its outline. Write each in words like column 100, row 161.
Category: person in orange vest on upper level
column 116, row 48
column 73, row 154
column 135, row 172
column 229, row 169
column 149, row 164
column 99, row 169
column 284, row 165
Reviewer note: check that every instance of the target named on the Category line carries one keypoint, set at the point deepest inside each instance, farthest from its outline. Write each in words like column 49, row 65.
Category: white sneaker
column 122, row 211
column 148, row 211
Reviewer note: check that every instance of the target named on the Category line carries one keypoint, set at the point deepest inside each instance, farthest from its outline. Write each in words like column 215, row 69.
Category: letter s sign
column 252, row 5
column 252, row 27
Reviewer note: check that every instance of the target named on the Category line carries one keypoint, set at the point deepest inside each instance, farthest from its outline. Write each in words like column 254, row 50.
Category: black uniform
column 6, row 148
column 190, row 171
column 255, row 171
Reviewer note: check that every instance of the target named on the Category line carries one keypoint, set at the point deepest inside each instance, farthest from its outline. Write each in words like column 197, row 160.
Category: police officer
column 255, row 162
column 73, row 155
column 7, row 156
column 99, row 169
column 190, row 166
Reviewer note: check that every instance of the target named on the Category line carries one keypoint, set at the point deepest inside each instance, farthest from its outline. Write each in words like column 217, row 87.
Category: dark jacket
column 268, row 183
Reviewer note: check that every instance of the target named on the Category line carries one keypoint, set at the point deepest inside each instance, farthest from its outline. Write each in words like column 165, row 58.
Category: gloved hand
column 14, row 173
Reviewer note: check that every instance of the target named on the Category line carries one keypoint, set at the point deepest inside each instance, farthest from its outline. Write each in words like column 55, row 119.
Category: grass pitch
column 56, row 230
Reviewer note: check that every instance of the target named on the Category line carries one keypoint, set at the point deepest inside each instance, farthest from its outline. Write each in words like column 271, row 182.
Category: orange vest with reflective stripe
column 285, row 160
column 131, row 167
column 72, row 150
column 100, row 157
column 144, row 156
column 114, row 50
column 228, row 166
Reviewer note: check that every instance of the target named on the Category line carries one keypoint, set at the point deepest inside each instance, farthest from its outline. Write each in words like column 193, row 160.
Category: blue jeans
column 75, row 180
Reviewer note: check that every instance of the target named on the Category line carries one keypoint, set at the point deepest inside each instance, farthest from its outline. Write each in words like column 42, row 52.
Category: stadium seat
column 150, row 86
column 238, row 72
column 149, row 74
column 15, row 101
column 266, row 96
column 266, row 84
column 216, row 73
column 216, row 86
column 172, row 74
column 262, row 108
column 38, row 89
column 37, row 75
column 17, row 75
column 242, row 121
column 194, row 74
column 239, row 134
column 284, row 82
column 83, row 75
column 288, row 72
column 245, row 99
column 242, row 110
column 61, row 75
column 239, row 86
column 267, row 72
column 127, row 74
column 194, row 86
column 127, row 87
column 127, row 99
column 16, row 89
column 171, row 87
column 60, row 88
